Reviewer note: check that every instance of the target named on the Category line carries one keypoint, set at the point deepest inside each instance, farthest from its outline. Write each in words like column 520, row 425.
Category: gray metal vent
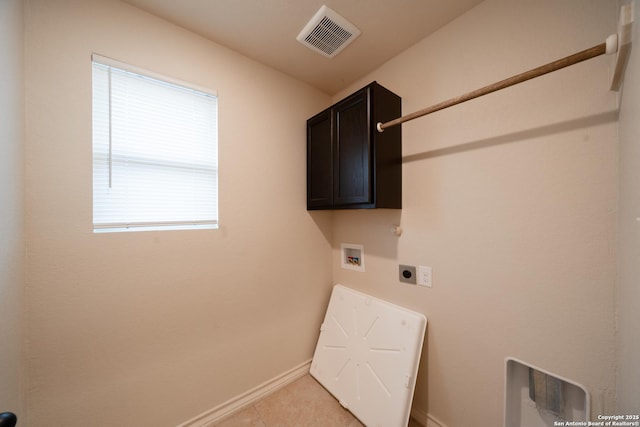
column 328, row 33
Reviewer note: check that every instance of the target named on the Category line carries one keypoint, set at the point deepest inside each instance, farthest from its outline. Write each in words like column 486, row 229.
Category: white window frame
column 113, row 211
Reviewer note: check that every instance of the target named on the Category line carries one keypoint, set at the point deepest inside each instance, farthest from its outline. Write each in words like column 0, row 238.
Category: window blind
column 155, row 162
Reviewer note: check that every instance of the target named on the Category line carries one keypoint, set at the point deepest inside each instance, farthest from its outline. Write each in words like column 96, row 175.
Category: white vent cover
column 328, row 33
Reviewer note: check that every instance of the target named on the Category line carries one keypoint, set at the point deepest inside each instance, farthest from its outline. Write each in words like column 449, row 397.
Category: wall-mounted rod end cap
column 379, row 127
column 612, row 44
column 397, row 230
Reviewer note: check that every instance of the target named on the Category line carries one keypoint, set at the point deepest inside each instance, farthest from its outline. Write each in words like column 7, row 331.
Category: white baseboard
column 425, row 419
column 420, row 416
column 434, row 422
column 245, row 399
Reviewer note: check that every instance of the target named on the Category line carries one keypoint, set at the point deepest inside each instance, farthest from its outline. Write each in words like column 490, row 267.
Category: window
column 155, row 151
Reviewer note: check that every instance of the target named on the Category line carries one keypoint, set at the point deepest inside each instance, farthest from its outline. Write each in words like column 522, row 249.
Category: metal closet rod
column 610, row 46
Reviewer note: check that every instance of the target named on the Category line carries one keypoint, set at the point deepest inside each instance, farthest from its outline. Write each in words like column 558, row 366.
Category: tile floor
column 303, row 403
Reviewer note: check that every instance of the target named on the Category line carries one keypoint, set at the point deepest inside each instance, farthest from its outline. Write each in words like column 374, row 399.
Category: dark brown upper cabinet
column 350, row 165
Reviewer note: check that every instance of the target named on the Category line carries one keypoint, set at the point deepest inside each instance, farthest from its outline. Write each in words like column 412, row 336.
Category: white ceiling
column 266, row 31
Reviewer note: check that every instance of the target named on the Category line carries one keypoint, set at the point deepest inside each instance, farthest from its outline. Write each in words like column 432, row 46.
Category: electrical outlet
column 407, row 274
column 425, row 277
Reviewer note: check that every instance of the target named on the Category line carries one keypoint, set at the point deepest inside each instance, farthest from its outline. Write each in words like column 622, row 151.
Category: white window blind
column 155, row 163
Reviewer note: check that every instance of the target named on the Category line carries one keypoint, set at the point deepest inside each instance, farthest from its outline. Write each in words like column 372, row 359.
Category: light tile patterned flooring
column 303, row 403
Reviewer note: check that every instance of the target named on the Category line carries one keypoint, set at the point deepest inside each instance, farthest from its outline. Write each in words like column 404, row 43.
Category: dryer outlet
column 407, row 274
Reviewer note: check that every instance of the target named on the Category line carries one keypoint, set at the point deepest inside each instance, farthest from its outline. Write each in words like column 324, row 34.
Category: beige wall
column 11, row 206
column 153, row 328
column 511, row 199
column 628, row 369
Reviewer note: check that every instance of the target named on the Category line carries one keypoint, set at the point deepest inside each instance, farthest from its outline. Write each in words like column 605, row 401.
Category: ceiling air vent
column 328, row 33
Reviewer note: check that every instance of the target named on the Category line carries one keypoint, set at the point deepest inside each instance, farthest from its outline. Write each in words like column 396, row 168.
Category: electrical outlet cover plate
column 407, row 274
column 425, row 277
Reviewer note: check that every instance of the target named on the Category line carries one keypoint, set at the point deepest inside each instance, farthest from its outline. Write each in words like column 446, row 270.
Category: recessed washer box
column 367, row 356
column 352, row 256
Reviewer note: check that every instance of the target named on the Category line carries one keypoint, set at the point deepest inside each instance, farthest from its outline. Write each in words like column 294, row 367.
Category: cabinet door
column 351, row 173
column 319, row 161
